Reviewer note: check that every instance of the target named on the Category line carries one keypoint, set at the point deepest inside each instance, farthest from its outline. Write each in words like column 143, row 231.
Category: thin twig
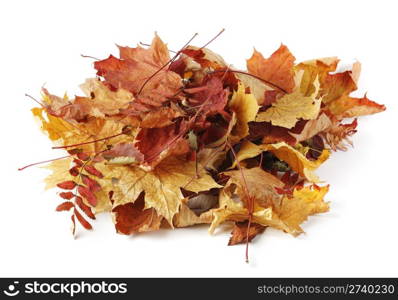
column 207, row 44
column 88, row 56
column 166, row 64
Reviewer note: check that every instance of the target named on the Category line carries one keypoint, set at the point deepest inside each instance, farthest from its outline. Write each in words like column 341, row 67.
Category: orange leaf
column 277, row 69
column 65, row 206
column 85, row 208
column 67, row 185
column 82, row 220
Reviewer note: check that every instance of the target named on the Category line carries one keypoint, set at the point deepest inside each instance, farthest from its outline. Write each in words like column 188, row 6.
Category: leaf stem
column 250, row 201
column 42, row 162
column 212, row 40
column 86, row 143
column 254, row 76
column 34, row 99
column 165, row 65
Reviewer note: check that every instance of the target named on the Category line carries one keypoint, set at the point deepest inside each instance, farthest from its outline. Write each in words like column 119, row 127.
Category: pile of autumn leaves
column 161, row 142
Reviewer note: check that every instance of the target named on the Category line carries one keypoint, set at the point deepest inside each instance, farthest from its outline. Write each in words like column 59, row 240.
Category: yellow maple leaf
column 186, row 217
column 162, row 185
column 292, row 212
column 316, row 68
column 59, row 172
column 257, row 184
column 102, row 101
column 294, row 158
column 295, row 210
column 232, row 209
column 70, row 132
column 287, row 110
column 297, row 161
column 245, row 107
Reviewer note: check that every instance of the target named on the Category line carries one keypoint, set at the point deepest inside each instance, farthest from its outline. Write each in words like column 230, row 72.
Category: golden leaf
column 313, row 127
column 102, row 101
column 317, row 68
column 288, row 217
column 286, row 111
column 297, row 161
column 256, row 184
column 295, row 210
column 60, row 172
column 245, row 107
column 67, row 133
column 162, row 185
column 294, row 158
column 186, row 217
column 232, row 209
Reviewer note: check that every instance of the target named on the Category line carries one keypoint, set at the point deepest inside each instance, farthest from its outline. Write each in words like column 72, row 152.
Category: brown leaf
column 240, row 233
column 134, row 68
column 133, row 217
column 159, row 118
column 158, row 143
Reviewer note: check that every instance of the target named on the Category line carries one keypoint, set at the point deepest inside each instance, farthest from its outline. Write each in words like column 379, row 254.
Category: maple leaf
column 162, row 117
column 277, row 69
column 335, row 88
column 272, row 134
column 186, row 217
column 231, row 208
column 205, row 57
column 85, row 134
column 162, row 185
column 158, row 143
column 245, row 107
column 242, row 231
column 294, row 158
column 174, row 142
column 211, row 97
column 136, row 65
column 133, row 217
column 123, row 153
column 59, row 172
column 101, row 100
column 297, row 161
column 64, row 107
column 256, row 184
column 293, row 211
column 313, row 127
column 337, row 136
column 287, row 110
column 349, row 107
column 313, row 69
column 211, row 158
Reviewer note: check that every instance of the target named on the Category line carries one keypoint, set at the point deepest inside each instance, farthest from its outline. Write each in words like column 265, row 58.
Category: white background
column 41, row 43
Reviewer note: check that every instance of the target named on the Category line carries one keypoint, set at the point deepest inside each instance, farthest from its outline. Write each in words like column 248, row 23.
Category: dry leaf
column 174, row 142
